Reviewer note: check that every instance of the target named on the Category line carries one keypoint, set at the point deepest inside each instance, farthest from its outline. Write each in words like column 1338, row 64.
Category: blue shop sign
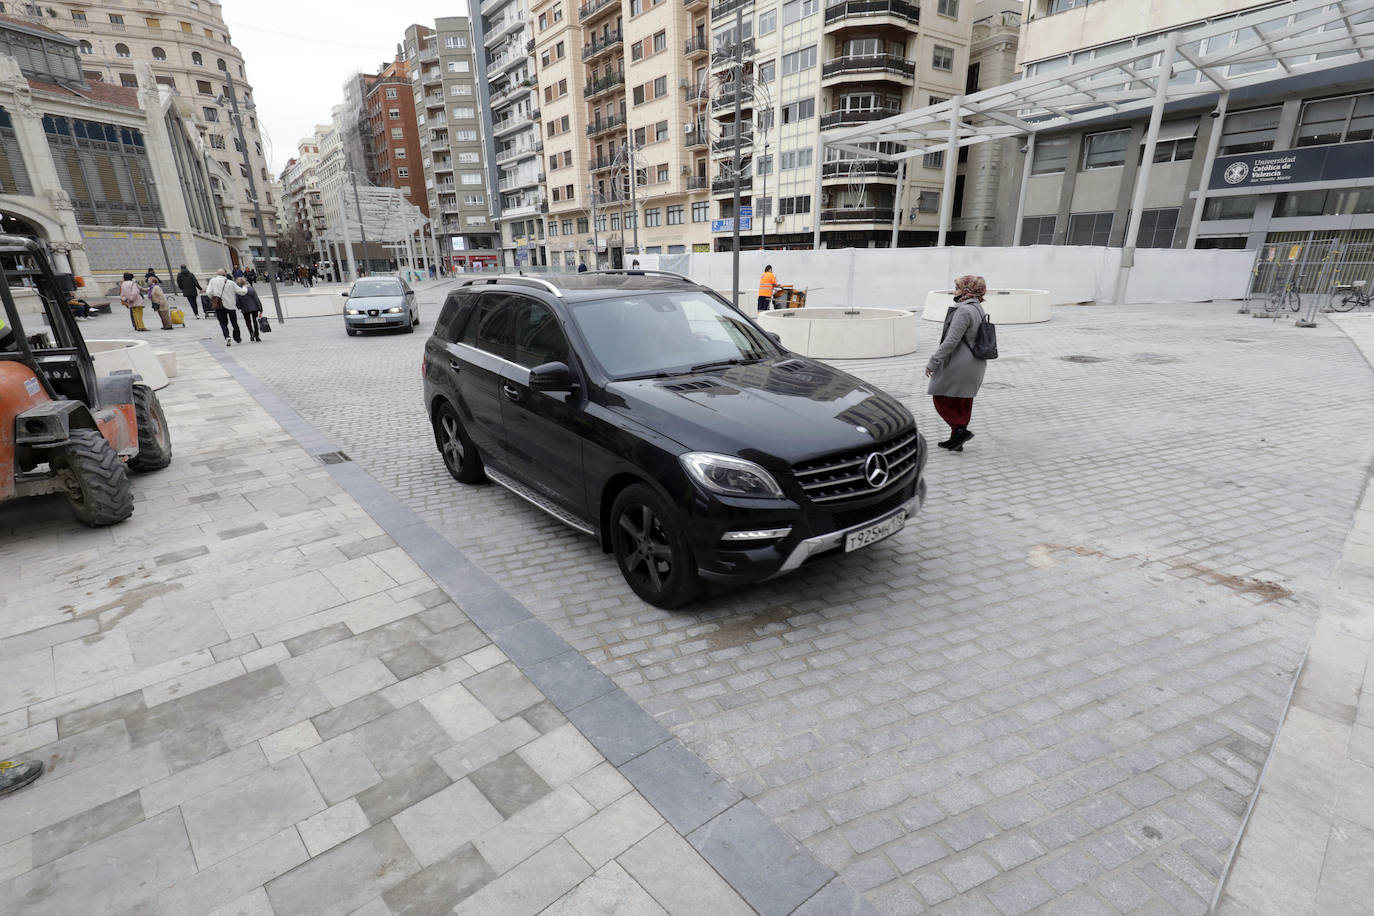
column 1338, row 162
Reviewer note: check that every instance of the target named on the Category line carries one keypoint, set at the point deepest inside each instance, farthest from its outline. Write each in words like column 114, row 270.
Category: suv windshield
column 667, row 333
column 381, row 286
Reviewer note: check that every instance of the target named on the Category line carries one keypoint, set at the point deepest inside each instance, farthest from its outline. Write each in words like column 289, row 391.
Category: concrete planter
column 137, row 355
column 1004, row 306
column 840, row 333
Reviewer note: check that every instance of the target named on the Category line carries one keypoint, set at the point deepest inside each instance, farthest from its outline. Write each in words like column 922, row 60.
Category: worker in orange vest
column 768, row 284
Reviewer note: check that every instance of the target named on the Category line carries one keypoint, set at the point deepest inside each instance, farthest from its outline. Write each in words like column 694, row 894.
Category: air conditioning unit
column 778, row 218
column 683, row 83
column 686, row 170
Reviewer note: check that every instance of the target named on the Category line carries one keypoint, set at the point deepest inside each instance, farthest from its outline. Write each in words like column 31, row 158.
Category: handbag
column 264, row 326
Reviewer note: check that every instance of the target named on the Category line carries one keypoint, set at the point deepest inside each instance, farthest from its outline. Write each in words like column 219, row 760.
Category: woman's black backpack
column 984, row 344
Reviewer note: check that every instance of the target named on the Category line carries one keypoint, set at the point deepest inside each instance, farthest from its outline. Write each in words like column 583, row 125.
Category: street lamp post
column 739, row 91
column 252, row 189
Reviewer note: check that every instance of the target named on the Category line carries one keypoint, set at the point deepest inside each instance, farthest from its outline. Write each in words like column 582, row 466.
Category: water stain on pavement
column 1042, row 557
column 739, row 631
column 125, row 603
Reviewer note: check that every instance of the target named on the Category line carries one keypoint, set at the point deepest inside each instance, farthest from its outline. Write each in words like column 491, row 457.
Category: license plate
column 875, row 532
column 373, row 320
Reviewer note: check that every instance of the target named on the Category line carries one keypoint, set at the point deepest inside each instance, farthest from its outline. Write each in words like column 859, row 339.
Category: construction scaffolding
column 361, row 218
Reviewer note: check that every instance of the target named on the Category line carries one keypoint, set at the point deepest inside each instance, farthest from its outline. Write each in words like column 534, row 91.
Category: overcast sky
column 299, row 52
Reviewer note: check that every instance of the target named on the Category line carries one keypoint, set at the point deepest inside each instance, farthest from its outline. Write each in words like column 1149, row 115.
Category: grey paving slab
column 1081, row 597
column 771, row 871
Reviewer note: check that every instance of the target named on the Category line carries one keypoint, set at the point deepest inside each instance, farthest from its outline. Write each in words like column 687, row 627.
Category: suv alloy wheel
column 653, row 555
column 459, row 453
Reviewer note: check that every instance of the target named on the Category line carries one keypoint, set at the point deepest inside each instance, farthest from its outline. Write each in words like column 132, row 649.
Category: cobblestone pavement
column 250, row 700
column 1057, row 686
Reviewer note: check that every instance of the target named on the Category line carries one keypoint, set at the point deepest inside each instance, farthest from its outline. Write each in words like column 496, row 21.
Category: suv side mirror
column 774, row 336
column 552, row 377
column 345, row 295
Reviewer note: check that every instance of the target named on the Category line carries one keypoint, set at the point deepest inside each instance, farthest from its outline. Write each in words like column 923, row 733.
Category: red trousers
column 954, row 411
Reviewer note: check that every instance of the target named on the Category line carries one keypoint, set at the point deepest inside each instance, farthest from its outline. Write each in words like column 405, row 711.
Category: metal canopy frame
column 1212, row 58
column 1272, row 43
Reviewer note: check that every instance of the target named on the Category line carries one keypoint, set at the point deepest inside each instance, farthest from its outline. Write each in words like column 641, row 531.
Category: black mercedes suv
column 642, row 409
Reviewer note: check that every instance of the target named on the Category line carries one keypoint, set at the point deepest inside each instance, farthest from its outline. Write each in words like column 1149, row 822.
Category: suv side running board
column 539, row 501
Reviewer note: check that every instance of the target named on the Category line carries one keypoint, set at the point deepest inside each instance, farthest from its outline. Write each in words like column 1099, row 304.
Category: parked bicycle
column 1357, row 294
column 1285, row 296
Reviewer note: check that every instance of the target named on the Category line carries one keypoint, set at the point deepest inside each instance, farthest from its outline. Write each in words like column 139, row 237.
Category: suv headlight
column 729, row 476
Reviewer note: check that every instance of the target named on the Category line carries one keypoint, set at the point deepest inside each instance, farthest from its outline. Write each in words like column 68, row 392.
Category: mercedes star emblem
column 875, row 470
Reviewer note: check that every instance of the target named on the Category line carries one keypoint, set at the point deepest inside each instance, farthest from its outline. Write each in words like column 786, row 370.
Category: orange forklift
column 63, row 428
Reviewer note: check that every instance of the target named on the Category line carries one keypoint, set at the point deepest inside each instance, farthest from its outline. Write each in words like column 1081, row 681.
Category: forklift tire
column 154, row 440
column 103, row 495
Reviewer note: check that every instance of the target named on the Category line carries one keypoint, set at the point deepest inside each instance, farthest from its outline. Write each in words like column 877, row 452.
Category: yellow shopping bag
column 178, row 316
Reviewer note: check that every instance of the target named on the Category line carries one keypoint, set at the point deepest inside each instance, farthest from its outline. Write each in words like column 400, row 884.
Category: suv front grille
column 841, row 476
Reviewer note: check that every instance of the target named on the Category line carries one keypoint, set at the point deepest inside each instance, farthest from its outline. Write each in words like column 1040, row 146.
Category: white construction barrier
column 137, row 355
column 836, row 333
column 900, row 278
column 1003, row 306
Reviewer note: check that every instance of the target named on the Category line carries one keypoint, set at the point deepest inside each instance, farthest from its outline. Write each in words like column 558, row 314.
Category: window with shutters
column 14, row 177
column 102, row 167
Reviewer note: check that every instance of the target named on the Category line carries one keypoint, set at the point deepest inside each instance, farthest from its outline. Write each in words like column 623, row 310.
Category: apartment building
column 300, row 184
column 808, row 70
column 514, row 146
column 988, row 202
column 561, row 117
column 394, row 156
column 1216, row 179
column 445, row 89
column 188, row 47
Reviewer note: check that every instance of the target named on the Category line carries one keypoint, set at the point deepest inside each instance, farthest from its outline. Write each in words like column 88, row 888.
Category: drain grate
column 1083, row 359
column 333, row 457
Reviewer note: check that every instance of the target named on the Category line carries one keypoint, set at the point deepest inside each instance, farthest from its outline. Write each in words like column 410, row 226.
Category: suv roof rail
column 513, row 278
column 642, row 270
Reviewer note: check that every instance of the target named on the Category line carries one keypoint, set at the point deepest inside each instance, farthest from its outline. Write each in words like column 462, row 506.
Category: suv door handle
column 511, row 391
column 455, row 365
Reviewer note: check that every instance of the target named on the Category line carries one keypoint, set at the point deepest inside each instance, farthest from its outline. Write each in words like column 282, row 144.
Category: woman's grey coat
column 958, row 373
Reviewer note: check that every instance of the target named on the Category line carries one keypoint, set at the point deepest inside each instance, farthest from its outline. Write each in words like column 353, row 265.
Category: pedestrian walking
column 955, row 373
column 223, row 295
column 768, row 285
column 190, row 288
column 132, row 298
column 303, row 275
column 251, row 306
column 159, row 300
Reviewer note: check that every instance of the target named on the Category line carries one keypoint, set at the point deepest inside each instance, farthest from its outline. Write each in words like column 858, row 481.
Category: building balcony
column 869, row 67
column 604, row 84
column 848, row 14
column 857, row 215
column 438, row 146
column 697, row 183
column 726, row 144
column 845, row 169
column 433, row 77
column 603, row 43
column 512, row 123
column 526, row 208
column 523, row 151
column 726, row 185
column 434, row 100
column 726, row 100
column 600, row 163
column 697, row 93
column 602, row 125
column 590, row 10
column 854, row 116
column 511, row 92
column 504, row 27
column 696, row 137
column 725, row 7
column 503, row 62
column 724, row 55
column 697, row 46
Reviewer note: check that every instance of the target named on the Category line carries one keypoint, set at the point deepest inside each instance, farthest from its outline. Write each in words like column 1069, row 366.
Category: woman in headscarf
column 955, row 373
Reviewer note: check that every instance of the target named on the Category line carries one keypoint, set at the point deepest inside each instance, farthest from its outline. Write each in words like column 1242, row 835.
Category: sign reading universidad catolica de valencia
column 1338, row 162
